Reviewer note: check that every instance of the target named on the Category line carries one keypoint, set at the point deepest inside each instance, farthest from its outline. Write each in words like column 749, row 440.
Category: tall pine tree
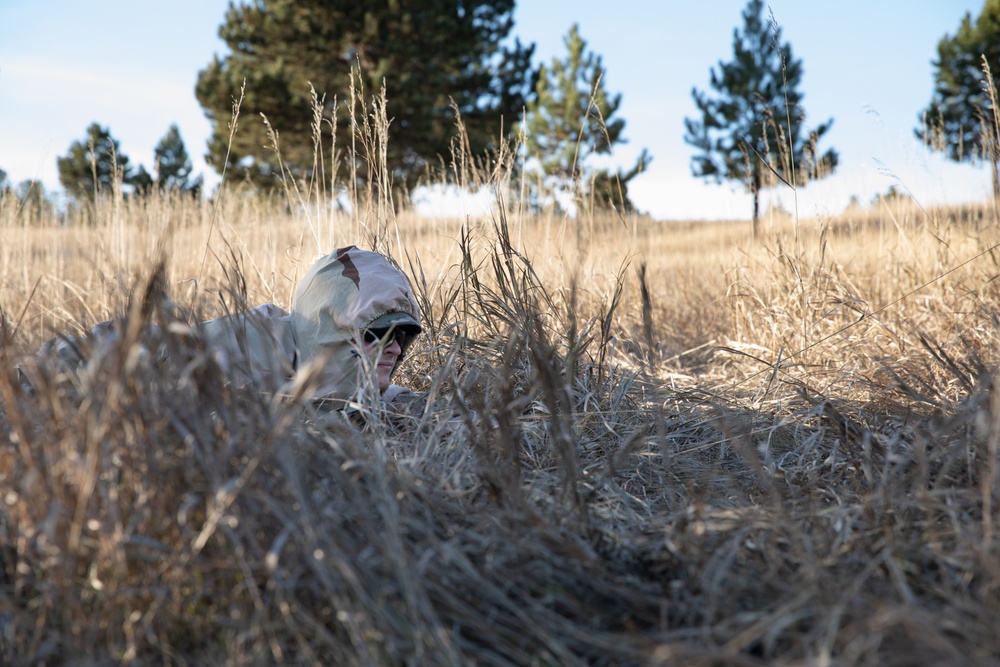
column 90, row 165
column 428, row 53
column 753, row 128
column 173, row 165
column 572, row 118
column 35, row 205
column 959, row 120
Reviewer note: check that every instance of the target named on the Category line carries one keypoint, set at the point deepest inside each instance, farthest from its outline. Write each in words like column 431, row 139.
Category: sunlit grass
column 645, row 443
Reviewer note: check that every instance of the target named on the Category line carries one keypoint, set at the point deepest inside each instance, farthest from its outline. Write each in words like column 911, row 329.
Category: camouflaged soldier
column 348, row 293
column 353, row 317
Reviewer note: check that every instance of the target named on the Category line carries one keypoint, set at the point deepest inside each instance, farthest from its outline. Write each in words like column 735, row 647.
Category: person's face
column 390, row 351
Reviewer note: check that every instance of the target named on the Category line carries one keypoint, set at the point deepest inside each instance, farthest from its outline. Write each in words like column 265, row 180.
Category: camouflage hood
column 342, row 295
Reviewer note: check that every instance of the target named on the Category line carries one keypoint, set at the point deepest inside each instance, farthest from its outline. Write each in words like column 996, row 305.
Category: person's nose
column 393, row 348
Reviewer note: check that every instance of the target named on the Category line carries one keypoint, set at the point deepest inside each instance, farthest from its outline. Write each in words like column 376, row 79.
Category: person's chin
column 384, row 380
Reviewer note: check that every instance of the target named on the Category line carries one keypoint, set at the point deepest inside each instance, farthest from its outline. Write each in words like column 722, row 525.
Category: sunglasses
column 386, row 336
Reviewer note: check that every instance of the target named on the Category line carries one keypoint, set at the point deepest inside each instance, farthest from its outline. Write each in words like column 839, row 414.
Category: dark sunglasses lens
column 375, row 335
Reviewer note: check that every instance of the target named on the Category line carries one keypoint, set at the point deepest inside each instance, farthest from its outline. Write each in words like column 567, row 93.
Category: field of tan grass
column 650, row 443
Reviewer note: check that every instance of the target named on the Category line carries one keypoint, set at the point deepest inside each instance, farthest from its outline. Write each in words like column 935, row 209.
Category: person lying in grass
column 352, row 318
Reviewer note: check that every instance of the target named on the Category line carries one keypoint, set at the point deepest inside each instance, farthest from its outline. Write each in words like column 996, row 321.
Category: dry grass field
column 645, row 444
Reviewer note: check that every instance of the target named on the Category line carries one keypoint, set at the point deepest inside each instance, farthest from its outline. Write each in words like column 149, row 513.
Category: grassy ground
column 647, row 444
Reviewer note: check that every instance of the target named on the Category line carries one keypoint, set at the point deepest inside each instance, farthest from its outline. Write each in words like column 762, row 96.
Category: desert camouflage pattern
column 254, row 348
column 337, row 299
column 267, row 347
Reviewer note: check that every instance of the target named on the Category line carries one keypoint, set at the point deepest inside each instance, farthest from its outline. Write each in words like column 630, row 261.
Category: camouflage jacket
column 338, row 298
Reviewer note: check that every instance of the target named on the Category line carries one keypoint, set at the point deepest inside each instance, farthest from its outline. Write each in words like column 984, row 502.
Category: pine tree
column 430, row 54
column 572, row 118
column 173, row 165
column 959, row 120
column 35, row 204
column 753, row 129
column 92, row 165
column 142, row 181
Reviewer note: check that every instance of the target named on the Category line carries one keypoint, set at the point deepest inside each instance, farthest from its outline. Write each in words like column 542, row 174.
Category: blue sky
column 131, row 65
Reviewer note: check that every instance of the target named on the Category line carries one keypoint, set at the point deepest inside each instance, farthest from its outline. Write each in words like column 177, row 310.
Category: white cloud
column 43, row 83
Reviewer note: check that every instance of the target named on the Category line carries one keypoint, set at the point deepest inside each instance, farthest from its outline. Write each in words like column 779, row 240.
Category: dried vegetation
column 645, row 444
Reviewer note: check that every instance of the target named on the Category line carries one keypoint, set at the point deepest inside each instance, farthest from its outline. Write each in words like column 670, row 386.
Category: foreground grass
column 649, row 444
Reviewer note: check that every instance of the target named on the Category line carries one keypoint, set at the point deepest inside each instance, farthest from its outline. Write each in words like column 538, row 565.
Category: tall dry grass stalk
column 644, row 443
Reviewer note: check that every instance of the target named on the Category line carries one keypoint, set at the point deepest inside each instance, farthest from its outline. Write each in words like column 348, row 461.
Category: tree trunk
column 756, row 205
column 996, row 180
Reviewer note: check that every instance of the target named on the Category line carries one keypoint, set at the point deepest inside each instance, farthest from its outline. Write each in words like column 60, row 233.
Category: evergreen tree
column 609, row 189
column 572, row 118
column 89, row 166
column 4, row 185
column 959, row 120
column 427, row 52
column 754, row 127
column 142, row 181
column 35, row 204
column 173, row 165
